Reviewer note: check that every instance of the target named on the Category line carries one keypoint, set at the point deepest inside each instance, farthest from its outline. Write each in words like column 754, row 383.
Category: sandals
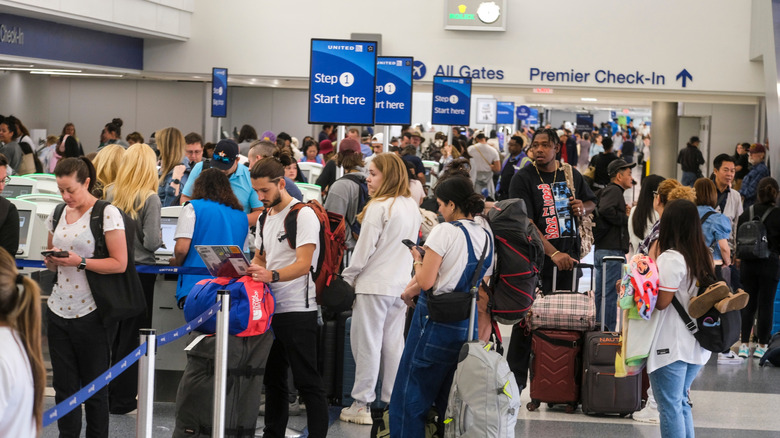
column 700, row 304
column 736, row 301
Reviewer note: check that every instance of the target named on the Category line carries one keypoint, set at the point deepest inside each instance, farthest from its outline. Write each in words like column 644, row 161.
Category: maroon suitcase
column 555, row 368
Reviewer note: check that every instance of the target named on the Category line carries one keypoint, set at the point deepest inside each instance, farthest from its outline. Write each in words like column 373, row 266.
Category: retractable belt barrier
column 141, row 269
column 101, row 381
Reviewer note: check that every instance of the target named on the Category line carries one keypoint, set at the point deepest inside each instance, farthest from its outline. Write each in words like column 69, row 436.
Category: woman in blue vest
column 213, row 217
column 452, row 253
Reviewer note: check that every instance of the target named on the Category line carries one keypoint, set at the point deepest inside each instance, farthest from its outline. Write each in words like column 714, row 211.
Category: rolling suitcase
column 556, row 355
column 602, row 392
column 331, row 356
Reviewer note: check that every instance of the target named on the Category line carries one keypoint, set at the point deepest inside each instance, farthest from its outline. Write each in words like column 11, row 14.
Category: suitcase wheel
column 532, row 405
column 570, row 408
column 550, row 405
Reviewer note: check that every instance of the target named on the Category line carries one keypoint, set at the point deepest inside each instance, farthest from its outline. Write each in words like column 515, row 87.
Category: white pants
column 377, row 341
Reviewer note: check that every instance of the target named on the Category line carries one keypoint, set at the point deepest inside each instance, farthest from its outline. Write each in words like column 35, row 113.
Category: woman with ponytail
column 430, row 356
column 22, row 373
column 379, row 271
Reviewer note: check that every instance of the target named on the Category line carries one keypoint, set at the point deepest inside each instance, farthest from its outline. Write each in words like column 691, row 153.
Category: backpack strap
column 473, row 284
column 689, row 323
column 766, row 213
column 55, row 218
column 707, row 216
column 96, row 226
column 260, row 226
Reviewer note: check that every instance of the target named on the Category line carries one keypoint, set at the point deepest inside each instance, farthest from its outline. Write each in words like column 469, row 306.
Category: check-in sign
column 219, row 80
column 394, row 90
column 451, row 100
column 341, row 82
column 505, row 113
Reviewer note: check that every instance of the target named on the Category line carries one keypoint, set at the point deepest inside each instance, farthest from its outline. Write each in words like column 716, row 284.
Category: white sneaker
column 647, row 415
column 358, row 413
column 729, row 358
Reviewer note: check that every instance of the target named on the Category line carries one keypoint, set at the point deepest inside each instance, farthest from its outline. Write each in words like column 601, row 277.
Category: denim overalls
column 430, row 357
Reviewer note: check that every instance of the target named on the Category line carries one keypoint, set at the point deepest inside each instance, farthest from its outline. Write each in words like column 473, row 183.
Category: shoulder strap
column 477, row 272
column 96, row 226
column 689, row 323
column 57, row 214
column 569, row 177
column 261, row 224
column 482, row 155
column 707, row 216
column 291, row 224
column 766, row 213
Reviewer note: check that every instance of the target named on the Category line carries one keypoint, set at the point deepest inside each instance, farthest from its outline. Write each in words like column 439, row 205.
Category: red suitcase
column 555, row 368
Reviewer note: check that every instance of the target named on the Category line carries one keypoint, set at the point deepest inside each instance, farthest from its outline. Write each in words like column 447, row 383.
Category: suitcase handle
column 555, row 341
column 577, row 266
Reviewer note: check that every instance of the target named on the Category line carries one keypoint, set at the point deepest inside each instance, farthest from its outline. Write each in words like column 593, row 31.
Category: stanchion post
column 146, row 365
column 220, row 365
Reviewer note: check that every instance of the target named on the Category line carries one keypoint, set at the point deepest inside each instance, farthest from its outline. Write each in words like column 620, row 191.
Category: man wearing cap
column 611, row 235
column 417, row 138
column 691, row 159
column 377, row 147
column 758, row 170
column 225, row 158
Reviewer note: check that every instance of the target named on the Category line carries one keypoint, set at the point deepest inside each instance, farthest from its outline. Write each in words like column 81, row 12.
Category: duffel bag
column 252, row 304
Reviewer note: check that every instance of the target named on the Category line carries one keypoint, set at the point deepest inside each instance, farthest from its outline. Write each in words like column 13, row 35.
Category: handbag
column 456, row 305
column 584, row 223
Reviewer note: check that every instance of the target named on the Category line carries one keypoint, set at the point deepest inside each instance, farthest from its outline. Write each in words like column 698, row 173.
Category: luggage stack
column 571, row 363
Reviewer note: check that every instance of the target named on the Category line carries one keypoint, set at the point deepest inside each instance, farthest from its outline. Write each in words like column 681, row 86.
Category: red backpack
column 332, row 242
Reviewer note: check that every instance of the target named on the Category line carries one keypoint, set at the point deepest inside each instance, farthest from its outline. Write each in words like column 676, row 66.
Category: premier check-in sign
column 505, row 113
column 394, row 90
column 341, row 82
column 451, row 100
column 219, row 80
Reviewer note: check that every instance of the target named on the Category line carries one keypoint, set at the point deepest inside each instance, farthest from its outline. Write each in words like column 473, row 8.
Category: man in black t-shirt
column 549, row 205
column 600, row 163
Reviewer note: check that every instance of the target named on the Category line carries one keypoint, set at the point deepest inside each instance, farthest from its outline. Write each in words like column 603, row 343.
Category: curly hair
column 214, row 185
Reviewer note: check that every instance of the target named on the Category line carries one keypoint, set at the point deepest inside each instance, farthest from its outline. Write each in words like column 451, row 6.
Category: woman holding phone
column 379, row 270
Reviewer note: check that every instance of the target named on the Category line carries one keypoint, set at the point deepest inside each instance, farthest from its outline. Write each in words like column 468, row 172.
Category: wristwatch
column 83, row 265
column 274, row 276
column 176, row 181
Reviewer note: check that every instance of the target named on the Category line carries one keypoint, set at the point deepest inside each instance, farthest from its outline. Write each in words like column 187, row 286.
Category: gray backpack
column 484, row 400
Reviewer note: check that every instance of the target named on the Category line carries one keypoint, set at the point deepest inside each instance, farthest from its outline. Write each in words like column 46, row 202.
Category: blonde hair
column 682, row 192
column 395, row 180
column 136, row 180
column 170, row 142
column 665, row 188
column 20, row 308
column 107, row 163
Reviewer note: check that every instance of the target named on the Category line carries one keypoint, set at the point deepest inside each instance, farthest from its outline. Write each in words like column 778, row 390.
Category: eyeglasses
column 655, row 193
column 6, row 180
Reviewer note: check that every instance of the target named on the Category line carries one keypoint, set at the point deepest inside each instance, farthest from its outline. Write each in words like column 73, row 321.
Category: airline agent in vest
column 213, row 217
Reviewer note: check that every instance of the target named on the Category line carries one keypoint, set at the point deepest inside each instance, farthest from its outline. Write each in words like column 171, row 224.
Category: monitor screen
column 168, row 225
column 16, row 190
column 25, row 217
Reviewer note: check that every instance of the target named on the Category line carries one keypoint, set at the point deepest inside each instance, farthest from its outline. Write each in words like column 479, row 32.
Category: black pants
column 295, row 346
column 79, row 350
column 122, row 391
column 759, row 279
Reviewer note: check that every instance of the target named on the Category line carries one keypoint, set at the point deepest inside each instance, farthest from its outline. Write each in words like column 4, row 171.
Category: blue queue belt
column 70, row 403
column 141, row 269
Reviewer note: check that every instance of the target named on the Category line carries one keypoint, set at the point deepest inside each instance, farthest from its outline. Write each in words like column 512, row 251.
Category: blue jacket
column 750, row 183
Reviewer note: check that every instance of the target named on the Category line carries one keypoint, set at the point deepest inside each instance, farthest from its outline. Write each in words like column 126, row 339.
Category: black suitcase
column 602, row 392
column 247, row 357
column 331, row 354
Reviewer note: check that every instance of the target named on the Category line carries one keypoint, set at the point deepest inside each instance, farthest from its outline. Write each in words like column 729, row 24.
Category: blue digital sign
column 342, row 77
column 451, row 100
column 533, row 118
column 394, row 90
column 505, row 113
column 219, row 80
column 523, row 112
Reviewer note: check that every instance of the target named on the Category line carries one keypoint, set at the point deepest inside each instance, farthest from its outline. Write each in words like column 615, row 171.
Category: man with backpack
column 289, row 268
column 348, row 195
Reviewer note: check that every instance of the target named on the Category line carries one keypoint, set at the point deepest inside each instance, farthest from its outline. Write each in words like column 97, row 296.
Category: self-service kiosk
column 45, row 183
column 33, row 235
column 45, row 203
column 19, row 185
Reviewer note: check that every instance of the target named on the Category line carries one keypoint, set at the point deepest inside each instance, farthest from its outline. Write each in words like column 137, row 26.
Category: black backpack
column 714, row 331
column 360, row 180
column 519, row 259
column 752, row 242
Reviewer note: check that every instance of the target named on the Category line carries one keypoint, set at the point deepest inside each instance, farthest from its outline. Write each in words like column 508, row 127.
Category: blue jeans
column 426, row 370
column 612, row 276
column 670, row 387
column 688, row 178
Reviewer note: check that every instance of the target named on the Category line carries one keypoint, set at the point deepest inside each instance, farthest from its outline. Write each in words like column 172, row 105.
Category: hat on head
column 378, row 138
column 349, row 145
column 415, row 132
column 326, row 147
column 617, row 165
column 757, row 149
column 694, row 139
column 224, row 155
column 268, row 136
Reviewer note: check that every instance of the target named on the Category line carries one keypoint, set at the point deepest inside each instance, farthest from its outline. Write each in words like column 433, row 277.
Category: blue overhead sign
column 394, row 90
column 523, row 112
column 533, row 118
column 505, row 113
column 451, row 100
column 342, row 77
column 219, row 81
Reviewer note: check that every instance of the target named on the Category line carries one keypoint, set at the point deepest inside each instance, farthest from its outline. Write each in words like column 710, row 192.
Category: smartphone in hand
column 61, row 254
column 409, row 244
